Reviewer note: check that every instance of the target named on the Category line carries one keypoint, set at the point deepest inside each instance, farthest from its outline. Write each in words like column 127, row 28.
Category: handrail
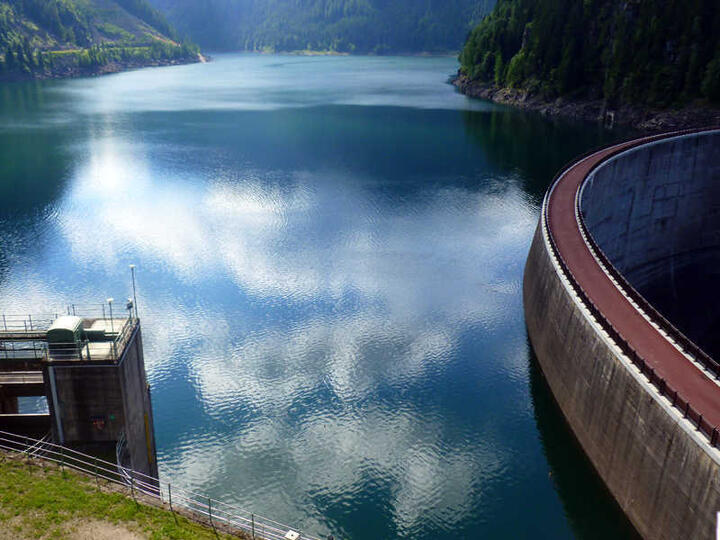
column 679, row 402
column 198, row 507
column 24, row 338
column 689, row 346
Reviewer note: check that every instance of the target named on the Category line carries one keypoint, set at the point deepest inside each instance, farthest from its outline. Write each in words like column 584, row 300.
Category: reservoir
column 329, row 255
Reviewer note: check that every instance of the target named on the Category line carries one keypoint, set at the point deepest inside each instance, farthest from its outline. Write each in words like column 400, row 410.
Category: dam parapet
column 88, row 363
column 640, row 395
column 653, row 214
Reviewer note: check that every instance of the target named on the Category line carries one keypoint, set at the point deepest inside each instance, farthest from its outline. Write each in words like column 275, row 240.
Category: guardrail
column 108, row 348
column 39, row 322
column 688, row 346
column 23, row 337
column 196, row 506
column 665, row 389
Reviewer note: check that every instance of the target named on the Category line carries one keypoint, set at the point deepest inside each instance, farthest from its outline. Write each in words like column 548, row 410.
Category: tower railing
column 24, row 337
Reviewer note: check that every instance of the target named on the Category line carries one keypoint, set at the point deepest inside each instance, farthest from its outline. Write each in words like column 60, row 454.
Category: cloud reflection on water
column 305, row 329
column 393, row 284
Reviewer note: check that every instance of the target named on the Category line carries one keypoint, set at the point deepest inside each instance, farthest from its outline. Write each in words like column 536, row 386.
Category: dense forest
column 655, row 54
column 362, row 26
column 50, row 37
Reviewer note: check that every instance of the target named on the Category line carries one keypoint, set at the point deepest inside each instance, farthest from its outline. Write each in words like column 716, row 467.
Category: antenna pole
column 132, row 271
column 112, row 326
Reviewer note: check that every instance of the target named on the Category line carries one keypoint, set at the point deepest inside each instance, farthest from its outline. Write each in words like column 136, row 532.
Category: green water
column 330, row 254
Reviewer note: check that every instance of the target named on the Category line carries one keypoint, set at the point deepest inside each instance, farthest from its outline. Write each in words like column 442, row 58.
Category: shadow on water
column 591, row 510
column 34, row 172
column 35, row 167
column 34, row 161
column 535, row 146
column 397, row 147
column 389, row 145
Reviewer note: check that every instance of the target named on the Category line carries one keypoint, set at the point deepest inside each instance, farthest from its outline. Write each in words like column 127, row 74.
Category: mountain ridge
column 352, row 26
column 58, row 38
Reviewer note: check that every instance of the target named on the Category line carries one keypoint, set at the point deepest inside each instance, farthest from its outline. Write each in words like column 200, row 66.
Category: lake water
column 329, row 255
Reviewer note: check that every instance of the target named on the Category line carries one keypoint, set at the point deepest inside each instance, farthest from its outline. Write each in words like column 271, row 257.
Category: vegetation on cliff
column 655, row 54
column 53, row 37
column 375, row 26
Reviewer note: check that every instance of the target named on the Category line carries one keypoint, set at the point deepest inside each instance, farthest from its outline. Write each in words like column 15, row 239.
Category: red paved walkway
column 669, row 363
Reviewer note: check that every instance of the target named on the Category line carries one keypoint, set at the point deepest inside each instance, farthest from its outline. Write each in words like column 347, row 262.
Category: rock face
column 593, row 110
column 69, row 67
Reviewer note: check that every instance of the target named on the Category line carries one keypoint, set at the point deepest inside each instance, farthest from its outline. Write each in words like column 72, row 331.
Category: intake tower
column 89, row 365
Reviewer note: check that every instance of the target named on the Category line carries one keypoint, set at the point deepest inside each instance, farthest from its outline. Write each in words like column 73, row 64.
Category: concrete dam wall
column 655, row 213
column 620, row 229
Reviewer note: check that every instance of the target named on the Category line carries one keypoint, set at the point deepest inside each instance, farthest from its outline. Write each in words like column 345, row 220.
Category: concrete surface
column 655, row 213
column 661, row 470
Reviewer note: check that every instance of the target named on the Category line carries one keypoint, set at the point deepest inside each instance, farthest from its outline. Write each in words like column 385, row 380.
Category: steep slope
column 377, row 26
column 44, row 38
column 623, row 52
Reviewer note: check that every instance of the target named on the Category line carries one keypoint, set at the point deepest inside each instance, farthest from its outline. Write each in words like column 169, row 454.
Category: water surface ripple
column 330, row 254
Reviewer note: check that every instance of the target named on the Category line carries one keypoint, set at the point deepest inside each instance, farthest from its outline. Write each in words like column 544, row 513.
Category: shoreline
column 312, row 52
column 73, row 71
column 642, row 118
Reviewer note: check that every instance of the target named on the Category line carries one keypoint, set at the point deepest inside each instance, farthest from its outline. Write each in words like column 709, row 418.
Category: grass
column 114, row 32
column 38, row 500
column 64, row 52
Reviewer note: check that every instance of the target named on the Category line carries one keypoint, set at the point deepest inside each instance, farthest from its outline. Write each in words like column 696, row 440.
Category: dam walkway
column 677, row 368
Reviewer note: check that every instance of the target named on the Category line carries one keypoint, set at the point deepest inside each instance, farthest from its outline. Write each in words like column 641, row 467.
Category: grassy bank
column 38, row 500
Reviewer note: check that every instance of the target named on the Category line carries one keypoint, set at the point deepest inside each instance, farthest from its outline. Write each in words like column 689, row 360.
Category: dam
column 621, row 306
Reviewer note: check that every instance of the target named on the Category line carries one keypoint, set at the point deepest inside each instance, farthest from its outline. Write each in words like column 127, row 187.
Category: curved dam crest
column 654, row 212
column 641, row 398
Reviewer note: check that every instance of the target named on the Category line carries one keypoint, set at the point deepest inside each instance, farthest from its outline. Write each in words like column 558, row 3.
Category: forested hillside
column 41, row 38
column 650, row 53
column 377, row 26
